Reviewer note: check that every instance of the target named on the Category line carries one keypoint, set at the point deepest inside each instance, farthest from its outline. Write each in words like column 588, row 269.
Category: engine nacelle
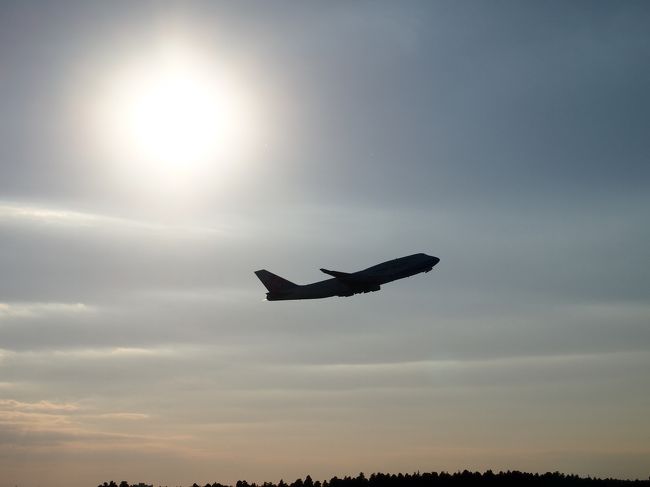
column 370, row 289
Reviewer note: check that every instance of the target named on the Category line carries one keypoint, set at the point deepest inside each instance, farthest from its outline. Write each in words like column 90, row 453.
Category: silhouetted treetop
column 513, row 478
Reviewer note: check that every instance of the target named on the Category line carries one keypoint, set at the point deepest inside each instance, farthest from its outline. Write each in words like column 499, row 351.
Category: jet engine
column 370, row 289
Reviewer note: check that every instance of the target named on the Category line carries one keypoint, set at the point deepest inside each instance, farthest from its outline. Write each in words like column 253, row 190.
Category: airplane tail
column 272, row 282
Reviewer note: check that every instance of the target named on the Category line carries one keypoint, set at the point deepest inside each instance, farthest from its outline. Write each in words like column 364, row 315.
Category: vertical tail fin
column 272, row 282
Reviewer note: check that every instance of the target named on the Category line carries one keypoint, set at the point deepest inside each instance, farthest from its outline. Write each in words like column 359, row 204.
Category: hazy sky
column 154, row 154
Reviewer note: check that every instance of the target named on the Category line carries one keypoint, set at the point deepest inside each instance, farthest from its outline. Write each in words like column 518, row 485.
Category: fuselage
column 366, row 280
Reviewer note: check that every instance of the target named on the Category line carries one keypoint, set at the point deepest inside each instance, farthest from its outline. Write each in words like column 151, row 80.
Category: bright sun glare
column 173, row 112
column 174, row 116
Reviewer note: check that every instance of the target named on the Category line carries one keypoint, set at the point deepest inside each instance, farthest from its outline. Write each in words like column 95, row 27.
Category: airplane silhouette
column 344, row 283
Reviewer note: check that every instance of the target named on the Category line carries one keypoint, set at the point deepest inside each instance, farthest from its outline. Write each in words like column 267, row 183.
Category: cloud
column 124, row 416
column 29, row 214
column 69, row 425
column 40, row 310
column 60, row 256
column 45, row 215
column 46, row 406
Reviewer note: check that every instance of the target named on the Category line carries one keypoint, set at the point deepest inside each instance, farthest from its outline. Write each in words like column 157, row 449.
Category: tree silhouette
column 465, row 478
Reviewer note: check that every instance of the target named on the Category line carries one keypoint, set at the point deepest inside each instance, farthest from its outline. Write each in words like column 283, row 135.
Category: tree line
column 435, row 479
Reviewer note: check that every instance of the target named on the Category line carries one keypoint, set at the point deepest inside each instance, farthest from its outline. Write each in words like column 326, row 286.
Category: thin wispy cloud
column 40, row 310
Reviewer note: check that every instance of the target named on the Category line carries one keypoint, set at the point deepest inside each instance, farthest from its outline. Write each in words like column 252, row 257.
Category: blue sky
column 507, row 138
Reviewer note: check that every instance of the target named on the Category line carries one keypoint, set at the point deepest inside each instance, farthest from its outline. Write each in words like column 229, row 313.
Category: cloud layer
column 509, row 140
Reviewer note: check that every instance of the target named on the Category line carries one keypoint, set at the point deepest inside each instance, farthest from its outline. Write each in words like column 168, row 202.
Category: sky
column 154, row 154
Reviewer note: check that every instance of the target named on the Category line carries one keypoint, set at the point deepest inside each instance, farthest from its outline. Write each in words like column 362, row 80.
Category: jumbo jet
column 347, row 284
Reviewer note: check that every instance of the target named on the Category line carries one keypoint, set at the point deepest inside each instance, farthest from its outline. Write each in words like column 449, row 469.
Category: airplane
column 346, row 284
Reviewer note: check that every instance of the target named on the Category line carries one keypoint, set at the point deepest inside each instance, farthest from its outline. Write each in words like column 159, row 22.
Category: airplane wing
column 359, row 283
column 353, row 279
column 339, row 275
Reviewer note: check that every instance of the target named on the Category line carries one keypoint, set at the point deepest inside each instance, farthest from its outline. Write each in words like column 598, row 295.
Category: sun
column 174, row 116
column 172, row 111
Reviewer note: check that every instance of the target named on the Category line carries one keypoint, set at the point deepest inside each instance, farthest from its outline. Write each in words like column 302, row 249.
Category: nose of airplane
column 434, row 260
